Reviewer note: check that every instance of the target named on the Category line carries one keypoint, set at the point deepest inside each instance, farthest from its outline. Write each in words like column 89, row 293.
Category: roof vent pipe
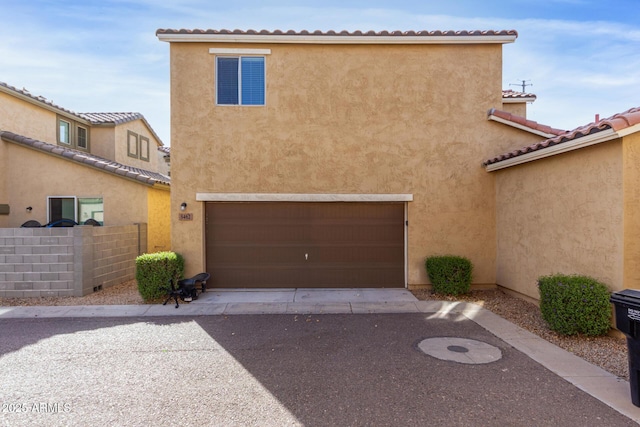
column 597, row 118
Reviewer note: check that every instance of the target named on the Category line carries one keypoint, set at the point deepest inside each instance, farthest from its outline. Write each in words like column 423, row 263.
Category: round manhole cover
column 462, row 350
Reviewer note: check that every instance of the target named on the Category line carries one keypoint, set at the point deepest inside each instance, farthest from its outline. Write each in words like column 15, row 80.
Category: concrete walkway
column 595, row 381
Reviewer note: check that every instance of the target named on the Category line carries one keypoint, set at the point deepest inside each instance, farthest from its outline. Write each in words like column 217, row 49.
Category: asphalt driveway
column 275, row 370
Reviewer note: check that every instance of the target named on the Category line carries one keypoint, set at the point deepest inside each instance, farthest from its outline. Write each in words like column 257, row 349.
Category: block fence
column 68, row 261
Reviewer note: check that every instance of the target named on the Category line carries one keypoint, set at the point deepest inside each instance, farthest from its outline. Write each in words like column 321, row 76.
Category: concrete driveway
column 282, row 369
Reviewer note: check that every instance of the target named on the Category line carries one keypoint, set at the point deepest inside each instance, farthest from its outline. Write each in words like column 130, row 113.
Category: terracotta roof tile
column 511, row 94
column 88, row 159
column 342, row 33
column 522, row 121
column 616, row 122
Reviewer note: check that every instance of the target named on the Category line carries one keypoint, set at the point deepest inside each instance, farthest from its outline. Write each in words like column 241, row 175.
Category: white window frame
column 68, row 142
column 239, row 53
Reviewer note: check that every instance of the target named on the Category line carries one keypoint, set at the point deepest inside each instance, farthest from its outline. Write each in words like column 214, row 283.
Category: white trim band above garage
column 295, row 197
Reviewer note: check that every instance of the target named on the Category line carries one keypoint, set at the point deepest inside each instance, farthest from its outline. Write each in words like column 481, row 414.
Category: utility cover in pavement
column 461, row 350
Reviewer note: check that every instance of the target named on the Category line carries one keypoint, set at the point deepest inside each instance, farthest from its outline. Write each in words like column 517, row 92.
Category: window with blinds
column 240, row 80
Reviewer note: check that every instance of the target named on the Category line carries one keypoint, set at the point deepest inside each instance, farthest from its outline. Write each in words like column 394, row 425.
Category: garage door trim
column 300, row 197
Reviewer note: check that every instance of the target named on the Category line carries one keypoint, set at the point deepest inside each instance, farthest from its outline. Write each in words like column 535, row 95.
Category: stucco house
column 569, row 203
column 55, row 163
column 332, row 159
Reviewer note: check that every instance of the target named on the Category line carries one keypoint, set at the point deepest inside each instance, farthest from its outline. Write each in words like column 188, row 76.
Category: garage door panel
column 305, row 244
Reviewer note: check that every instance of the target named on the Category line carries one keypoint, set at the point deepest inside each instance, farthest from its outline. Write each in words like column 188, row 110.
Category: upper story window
column 83, row 137
column 240, row 80
column 72, row 134
column 240, row 76
column 64, row 132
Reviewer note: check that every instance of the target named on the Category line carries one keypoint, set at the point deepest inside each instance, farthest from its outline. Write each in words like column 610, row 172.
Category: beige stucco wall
column 24, row 118
column 121, row 155
column 348, row 119
column 103, row 142
column 125, row 202
column 517, row 108
column 562, row 214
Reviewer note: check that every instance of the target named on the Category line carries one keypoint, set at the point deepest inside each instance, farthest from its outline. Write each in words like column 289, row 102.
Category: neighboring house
column 164, row 160
column 55, row 163
column 569, row 204
column 336, row 159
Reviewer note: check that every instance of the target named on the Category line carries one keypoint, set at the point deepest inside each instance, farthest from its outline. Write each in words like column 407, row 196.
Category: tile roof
column 345, row 33
column 521, row 122
column 41, row 99
column 118, row 119
column 115, row 118
column 136, row 174
column 92, row 118
column 512, row 94
column 615, row 123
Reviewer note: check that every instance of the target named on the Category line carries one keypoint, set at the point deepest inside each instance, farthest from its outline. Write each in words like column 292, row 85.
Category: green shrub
column 575, row 304
column 449, row 274
column 153, row 272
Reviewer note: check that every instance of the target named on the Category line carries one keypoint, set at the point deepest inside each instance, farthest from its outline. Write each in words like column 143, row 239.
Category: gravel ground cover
column 608, row 352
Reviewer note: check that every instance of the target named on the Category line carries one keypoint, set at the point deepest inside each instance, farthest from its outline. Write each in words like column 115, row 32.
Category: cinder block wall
column 74, row 261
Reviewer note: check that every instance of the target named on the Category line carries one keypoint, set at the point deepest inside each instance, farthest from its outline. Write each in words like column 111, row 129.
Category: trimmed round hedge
column 575, row 304
column 449, row 274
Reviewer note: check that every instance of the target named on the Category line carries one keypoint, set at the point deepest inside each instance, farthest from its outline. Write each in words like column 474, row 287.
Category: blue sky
column 582, row 57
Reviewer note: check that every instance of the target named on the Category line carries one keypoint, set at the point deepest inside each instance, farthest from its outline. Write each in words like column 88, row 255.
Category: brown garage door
column 305, row 245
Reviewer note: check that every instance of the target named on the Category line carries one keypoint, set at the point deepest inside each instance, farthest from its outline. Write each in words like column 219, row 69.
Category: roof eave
column 576, row 144
column 521, row 127
column 335, row 39
column 44, row 105
column 519, row 100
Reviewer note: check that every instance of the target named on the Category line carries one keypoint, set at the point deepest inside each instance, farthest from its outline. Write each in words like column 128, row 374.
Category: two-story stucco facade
column 355, row 157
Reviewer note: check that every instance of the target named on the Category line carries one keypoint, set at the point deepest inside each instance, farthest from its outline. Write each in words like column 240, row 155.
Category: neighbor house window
column 91, row 208
column 72, row 134
column 132, row 144
column 61, row 208
column 144, row 148
column 64, row 132
column 82, row 138
column 240, row 80
column 78, row 209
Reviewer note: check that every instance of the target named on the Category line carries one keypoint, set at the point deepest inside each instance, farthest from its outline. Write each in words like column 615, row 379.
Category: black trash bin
column 627, row 309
